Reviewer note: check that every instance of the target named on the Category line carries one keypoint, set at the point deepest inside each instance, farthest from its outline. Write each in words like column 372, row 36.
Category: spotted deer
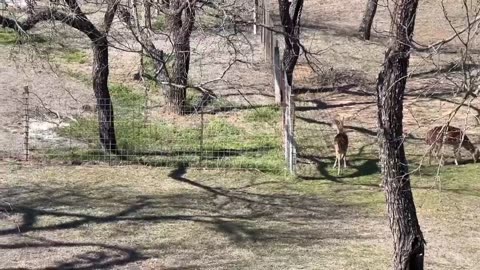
column 340, row 141
column 455, row 137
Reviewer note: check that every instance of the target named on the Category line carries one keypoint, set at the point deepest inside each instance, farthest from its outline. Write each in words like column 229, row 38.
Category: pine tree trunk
column 367, row 21
column 407, row 236
column 104, row 104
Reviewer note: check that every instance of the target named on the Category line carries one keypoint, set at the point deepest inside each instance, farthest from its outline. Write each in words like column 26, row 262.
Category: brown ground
column 94, row 218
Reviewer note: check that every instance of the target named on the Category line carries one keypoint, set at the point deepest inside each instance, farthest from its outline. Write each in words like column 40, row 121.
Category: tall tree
column 407, row 236
column 181, row 17
column 73, row 16
column 367, row 21
column 290, row 14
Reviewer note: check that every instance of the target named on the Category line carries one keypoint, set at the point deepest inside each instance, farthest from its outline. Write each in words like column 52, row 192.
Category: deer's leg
column 335, row 163
column 430, row 150
column 345, row 160
column 438, row 149
column 456, row 153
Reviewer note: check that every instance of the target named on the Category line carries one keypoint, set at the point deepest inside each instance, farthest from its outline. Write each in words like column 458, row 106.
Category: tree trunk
column 290, row 13
column 181, row 26
column 407, row 236
column 367, row 21
column 100, row 86
column 148, row 14
column 289, row 61
column 31, row 4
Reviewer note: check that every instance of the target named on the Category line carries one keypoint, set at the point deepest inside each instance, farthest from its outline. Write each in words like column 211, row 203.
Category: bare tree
column 407, row 236
column 290, row 14
column 73, row 16
column 181, row 17
column 367, row 21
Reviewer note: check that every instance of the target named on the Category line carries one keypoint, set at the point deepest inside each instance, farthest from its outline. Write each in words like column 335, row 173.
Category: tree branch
column 80, row 23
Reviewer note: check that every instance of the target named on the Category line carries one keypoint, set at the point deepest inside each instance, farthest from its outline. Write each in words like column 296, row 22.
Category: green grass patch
column 221, row 144
column 10, row 37
column 268, row 114
column 125, row 97
column 159, row 24
column 75, row 56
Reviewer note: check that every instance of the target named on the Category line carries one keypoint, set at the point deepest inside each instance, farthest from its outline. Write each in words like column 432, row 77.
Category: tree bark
column 181, row 25
column 290, row 13
column 100, row 72
column 407, row 236
column 147, row 5
column 367, row 21
column 78, row 20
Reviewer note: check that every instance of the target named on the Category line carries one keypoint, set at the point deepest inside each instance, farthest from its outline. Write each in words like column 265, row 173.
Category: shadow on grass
column 242, row 214
column 323, row 167
column 358, row 129
column 108, row 257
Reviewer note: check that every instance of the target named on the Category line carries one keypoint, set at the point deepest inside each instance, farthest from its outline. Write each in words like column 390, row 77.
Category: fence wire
column 217, row 135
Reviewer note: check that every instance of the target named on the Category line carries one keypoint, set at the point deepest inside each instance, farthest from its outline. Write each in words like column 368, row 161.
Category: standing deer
column 341, row 146
column 455, row 137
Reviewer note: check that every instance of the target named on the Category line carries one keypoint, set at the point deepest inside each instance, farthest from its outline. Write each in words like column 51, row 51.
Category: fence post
column 26, row 97
column 262, row 10
column 202, row 126
column 255, row 16
column 293, row 148
column 288, row 115
column 277, row 74
column 265, row 36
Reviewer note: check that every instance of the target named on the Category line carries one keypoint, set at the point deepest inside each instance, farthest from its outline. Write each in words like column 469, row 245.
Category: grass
column 268, row 114
column 223, row 144
column 159, row 23
column 10, row 37
column 218, row 220
column 74, row 56
column 220, row 144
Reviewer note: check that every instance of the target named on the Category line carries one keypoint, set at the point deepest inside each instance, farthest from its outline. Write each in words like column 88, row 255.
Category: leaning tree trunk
column 182, row 26
column 407, row 236
column 75, row 18
column 367, row 21
column 100, row 86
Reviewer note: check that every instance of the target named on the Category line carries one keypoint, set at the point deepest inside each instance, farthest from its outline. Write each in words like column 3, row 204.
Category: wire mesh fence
column 214, row 135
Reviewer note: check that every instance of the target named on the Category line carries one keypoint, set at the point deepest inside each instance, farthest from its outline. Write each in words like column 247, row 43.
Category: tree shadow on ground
column 361, row 130
column 108, row 257
column 242, row 214
column 323, row 166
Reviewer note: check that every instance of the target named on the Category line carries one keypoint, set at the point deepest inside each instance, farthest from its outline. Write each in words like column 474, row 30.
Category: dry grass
column 149, row 218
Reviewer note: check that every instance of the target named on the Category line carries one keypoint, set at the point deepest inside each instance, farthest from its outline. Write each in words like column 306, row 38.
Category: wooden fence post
column 288, row 115
column 277, row 74
column 262, row 8
column 26, row 118
column 255, row 16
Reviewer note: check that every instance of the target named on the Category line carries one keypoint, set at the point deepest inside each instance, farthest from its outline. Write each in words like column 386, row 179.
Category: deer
column 455, row 137
column 340, row 141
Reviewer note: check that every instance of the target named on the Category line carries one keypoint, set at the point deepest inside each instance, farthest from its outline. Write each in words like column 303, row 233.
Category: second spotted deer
column 449, row 135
